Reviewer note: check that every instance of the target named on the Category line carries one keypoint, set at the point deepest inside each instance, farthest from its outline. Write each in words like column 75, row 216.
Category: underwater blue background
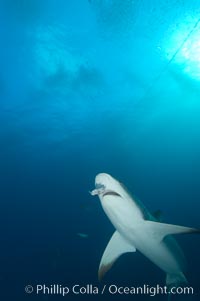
column 89, row 87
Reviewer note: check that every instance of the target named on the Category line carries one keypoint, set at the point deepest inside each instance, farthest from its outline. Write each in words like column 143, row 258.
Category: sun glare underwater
column 92, row 86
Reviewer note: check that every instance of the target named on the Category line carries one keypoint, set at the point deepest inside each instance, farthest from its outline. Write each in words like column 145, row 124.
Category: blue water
column 88, row 87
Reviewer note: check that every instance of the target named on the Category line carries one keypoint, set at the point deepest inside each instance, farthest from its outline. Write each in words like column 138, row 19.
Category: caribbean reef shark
column 137, row 229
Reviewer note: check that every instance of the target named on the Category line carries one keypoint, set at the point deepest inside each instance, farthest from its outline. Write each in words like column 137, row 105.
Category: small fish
column 83, row 235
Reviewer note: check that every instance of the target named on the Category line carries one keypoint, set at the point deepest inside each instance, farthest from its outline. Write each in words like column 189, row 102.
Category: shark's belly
column 122, row 213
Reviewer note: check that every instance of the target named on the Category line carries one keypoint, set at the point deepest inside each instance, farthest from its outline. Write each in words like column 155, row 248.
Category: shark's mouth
column 101, row 190
column 111, row 192
column 104, row 192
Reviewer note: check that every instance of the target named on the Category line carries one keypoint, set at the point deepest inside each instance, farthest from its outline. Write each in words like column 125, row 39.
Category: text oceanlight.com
column 112, row 289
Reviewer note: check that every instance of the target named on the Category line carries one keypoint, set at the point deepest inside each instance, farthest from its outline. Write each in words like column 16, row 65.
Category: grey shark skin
column 137, row 229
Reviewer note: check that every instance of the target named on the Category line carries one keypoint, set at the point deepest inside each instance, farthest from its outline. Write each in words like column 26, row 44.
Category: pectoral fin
column 115, row 248
column 161, row 230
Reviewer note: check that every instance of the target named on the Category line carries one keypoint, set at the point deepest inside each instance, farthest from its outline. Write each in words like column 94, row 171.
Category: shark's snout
column 106, row 185
column 103, row 179
column 102, row 182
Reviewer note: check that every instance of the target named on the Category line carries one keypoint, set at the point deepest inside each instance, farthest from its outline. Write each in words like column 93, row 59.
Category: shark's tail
column 173, row 281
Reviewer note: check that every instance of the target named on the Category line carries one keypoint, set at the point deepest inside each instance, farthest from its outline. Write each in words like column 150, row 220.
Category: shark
column 137, row 229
